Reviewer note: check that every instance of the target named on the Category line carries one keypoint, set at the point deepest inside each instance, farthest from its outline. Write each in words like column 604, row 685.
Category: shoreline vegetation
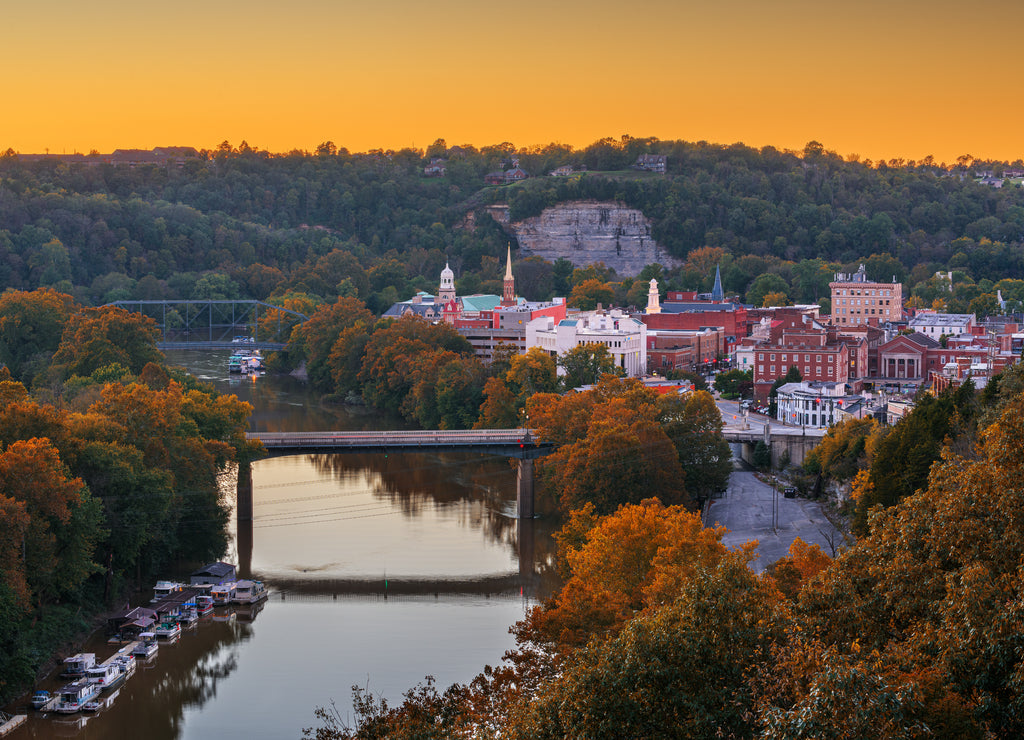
column 109, row 469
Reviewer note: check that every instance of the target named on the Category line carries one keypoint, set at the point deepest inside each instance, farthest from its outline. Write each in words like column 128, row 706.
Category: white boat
column 223, row 594
column 78, row 665
column 168, row 629
column 41, row 700
column 249, row 592
column 107, row 676
column 163, row 589
column 147, row 646
column 127, row 663
column 204, row 605
column 73, row 696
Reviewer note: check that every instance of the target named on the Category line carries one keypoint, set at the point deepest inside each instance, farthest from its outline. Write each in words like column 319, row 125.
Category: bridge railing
column 396, row 438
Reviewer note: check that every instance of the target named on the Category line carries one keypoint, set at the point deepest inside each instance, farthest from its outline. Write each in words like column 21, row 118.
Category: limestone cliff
column 585, row 233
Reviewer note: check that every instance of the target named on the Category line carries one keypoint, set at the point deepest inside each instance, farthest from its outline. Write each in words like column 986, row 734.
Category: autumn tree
column 96, row 337
column 315, row 339
column 31, row 326
column 588, row 294
column 56, row 518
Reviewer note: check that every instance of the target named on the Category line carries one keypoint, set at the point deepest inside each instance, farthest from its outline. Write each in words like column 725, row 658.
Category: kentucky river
column 382, row 570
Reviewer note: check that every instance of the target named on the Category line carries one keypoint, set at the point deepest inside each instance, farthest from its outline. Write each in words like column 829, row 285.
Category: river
column 382, row 569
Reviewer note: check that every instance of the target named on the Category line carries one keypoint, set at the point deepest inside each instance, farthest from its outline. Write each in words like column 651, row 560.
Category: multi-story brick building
column 856, row 301
column 817, row 352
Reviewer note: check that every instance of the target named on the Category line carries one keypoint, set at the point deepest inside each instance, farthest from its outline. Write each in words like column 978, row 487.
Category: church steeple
column 717, row 294
column 508, row 293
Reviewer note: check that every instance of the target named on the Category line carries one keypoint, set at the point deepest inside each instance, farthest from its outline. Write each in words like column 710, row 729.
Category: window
column 807, row 370
column 760, row 355
column 783, row 358
column 772, row 371
column 807, row 358
column 772, row 358
column 817, row 358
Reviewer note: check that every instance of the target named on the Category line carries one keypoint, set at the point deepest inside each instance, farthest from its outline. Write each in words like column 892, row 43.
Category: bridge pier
column 243, row 519
column 524, row 489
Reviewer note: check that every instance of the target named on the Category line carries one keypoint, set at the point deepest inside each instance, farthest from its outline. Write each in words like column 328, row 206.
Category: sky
column 879, row 79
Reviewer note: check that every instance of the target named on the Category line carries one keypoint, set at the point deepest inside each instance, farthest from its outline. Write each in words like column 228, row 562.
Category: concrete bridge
column 784, row 440
column 518, row 444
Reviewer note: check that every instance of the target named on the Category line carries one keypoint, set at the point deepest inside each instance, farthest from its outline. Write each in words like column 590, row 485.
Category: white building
column 812, row 403
column 623, row 337
column 934, row 325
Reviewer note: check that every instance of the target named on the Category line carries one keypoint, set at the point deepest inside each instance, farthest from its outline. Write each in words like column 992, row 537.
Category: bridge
column 213, row 324
column 518, row 444
column 784, row 440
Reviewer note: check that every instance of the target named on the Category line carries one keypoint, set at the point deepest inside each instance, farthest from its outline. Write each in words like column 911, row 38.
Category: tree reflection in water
column 481, row 489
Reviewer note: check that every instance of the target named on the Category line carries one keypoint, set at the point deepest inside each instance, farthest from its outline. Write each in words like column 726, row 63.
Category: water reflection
column 422, row 523
column 183, row 676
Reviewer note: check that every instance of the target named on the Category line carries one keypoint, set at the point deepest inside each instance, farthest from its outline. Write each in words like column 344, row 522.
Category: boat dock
column 8, row 722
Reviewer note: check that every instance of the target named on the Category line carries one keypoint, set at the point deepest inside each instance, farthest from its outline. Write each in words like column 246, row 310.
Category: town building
column 623, row 337
column 813, row 403
column 817, row 352
column 694, row 312
column 857, row 301
column 696, row 351
column 937, row 325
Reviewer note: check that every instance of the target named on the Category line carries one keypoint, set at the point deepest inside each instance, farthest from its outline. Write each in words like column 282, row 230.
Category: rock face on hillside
column 586, row 233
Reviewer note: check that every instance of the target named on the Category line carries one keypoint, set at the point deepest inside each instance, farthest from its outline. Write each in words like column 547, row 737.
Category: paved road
column 746, row 511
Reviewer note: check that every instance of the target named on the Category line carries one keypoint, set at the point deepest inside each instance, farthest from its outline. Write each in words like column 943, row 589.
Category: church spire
column 508, row 292
column 717, row 294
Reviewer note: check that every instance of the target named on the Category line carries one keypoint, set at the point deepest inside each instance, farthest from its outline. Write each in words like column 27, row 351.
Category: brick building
column 856, row 301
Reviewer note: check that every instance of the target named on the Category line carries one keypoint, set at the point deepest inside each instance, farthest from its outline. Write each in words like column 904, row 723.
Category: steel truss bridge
column 213, row 324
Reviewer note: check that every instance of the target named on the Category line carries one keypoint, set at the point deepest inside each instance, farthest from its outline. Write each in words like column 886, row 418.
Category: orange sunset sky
column 882, row 79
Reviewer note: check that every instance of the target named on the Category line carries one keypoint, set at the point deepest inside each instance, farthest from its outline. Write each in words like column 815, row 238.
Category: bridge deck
column 512, row 442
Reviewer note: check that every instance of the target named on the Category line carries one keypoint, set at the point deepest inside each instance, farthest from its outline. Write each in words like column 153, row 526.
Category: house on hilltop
column 651, row 163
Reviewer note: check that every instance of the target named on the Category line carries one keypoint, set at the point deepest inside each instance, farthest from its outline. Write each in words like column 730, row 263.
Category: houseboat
column 147, row 646
column 204, row 605
column 223, row 594
column 127, row 663
column 78, row 665
column 107, row 676
column 249, row 592
column 163, row 590
column 73, row 696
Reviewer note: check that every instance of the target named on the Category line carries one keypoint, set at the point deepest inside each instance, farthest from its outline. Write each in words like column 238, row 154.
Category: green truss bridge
column 217, row 324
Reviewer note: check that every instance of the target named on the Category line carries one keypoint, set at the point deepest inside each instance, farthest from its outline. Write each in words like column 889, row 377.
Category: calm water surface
column 382, row 570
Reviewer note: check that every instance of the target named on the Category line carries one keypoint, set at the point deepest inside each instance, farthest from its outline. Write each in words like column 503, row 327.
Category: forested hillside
column 237, row 222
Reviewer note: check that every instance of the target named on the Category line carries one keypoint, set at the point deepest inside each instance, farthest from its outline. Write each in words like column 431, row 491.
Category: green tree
column 584, row 364
column 764, row 284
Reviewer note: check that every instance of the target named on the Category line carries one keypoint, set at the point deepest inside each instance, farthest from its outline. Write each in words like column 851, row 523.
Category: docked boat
column 147, row 646
column 74, row 696
column 235, row 364
column 78, row 665
column 188, row 614
column 164, row 589
column 127, row 663
column 107, row 676
column 92, row 706
column 168, row 629
column 41, row 700
column 204, row 605
column 223, row 594
column 249, row 592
